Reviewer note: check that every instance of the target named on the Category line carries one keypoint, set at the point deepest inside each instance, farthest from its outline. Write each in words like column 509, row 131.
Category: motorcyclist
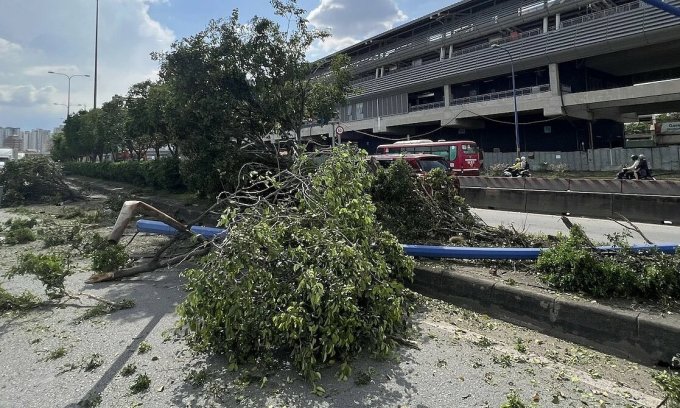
column 630, row 169
column 514, row 170
column 642, row 171
column 524, row 166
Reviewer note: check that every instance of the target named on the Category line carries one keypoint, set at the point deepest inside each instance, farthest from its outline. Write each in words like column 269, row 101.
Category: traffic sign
column 339, row 130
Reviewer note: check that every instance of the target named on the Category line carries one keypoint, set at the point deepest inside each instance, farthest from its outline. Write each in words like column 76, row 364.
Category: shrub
column 496, row 169
column 35, row 179
column 50, row 269
column 558, row 168
column 420, row 209
column 160, row 174
column 670, row 383
column 19, row 236
column 109, row 258
column 313, row 274
column 573, row 265
column 9, row 301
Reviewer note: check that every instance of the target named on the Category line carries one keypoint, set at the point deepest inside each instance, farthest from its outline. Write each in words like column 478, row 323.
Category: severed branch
column 148, row 267
column 632, row 227
column 567, row 222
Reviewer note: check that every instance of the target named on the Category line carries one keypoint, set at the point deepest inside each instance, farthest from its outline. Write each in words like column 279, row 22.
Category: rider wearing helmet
column 642, row 170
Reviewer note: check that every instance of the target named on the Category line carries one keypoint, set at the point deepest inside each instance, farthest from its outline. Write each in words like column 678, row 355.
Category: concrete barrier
column 651, row 187
column 540, row 183
column 548, row 202
column 634, row 335
column 595, row 186
column 495, row 199
column 505, row 182
column 651, row 209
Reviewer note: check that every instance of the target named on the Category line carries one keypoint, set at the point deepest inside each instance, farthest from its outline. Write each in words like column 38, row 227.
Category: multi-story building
column 582, row 68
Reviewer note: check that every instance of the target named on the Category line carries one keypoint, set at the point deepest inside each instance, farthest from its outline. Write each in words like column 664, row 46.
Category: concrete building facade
column 582, row 68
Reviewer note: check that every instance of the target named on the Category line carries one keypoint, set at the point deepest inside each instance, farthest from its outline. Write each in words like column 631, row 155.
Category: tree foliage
column 574, row 265
column 232, row 84
column 668, row 117
column 305, row 268
column 34, row 179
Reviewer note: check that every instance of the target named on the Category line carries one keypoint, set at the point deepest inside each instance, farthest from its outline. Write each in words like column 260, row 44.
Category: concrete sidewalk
column 643, row 337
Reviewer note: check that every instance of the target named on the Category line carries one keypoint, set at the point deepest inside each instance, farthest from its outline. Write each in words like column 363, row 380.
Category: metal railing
column 600, row 14
column 426, row 106
column 526, row 34
column 501, row 95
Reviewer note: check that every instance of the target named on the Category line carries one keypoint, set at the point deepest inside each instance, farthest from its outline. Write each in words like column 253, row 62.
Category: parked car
column 421, row 163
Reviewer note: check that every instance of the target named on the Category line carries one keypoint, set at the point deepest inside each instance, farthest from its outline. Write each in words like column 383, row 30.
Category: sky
column 37, row 36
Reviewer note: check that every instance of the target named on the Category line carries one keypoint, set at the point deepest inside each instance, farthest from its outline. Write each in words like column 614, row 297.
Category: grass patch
column 103, row 309
column 91, row 400
column 93, row 362
column 141, row 384
column 484, row 342
column 197, row 377
column 364, row 377
column 144, row 347
column 520, row 346
column 10, row 302
column 128, row 370
column 56, row 353
column 513, row 400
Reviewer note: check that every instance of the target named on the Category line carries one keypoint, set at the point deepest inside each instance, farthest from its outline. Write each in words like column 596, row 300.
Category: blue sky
column 37, row 36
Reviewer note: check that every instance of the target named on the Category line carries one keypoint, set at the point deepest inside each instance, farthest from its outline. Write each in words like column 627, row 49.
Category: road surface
column 597, row 229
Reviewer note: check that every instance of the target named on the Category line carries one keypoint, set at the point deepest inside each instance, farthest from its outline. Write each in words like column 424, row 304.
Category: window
column 360, row 110
column 469, row 149
column 441, row 151
column 423, row 149
column 453, row 152
column 429, row 165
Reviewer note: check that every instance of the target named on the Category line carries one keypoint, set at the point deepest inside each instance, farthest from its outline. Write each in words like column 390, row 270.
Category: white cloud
column 59, row 36
column 25, row 95
column 351, row 21
column 8, row 46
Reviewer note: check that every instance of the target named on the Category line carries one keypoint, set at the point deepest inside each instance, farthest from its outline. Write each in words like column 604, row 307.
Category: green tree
column 636, row 128
column 668, row 117
column 232, row 84
column 138, row 129
column 112, row 122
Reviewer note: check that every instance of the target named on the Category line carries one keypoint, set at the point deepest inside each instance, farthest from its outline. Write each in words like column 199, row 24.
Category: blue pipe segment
column 161, row 228
column 664, row 6
column 425, row 251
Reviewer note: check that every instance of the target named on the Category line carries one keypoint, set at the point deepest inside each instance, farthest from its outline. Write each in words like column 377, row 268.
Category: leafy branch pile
column 575, row 265
column 429, row 210
column 33, row 180
column 306, row 268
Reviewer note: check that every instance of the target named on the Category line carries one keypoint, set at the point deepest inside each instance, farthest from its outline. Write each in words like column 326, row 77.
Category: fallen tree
column 34, row 180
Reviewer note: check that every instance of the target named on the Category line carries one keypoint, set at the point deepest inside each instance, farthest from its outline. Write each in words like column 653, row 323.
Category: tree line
column 218, row 94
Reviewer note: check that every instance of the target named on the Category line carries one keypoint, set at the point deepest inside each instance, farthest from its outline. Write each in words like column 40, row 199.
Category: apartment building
column 582, row 68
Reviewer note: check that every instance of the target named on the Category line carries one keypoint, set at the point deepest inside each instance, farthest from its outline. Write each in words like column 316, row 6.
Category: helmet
column 634, row 157
column 642, row 156
column 517, row 160
column 524, row 158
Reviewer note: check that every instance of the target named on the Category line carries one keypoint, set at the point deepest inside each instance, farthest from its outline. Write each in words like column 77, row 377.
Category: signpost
column 338, row 131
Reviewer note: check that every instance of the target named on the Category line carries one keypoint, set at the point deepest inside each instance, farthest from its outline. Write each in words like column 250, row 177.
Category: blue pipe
column 425, row 251
column 664, row 6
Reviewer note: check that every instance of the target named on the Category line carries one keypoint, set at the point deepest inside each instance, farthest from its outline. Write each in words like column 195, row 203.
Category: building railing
column 600, row 14
column 426, row 106
column 501, row 95
column 517, row 36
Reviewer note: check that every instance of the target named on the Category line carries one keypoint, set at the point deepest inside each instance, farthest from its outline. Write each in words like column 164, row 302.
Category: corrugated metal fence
column 665, row 158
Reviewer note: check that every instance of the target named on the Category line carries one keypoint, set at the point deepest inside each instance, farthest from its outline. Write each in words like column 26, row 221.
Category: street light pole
column 514, row 93
column 96, row 48
column 68, row 103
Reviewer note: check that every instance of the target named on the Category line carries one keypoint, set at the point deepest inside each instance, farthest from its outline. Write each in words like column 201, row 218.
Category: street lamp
column 68, row 102
column 514, row 93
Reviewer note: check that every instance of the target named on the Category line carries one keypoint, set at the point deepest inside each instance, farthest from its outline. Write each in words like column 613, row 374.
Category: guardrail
column 501, row 95
column 639, row 201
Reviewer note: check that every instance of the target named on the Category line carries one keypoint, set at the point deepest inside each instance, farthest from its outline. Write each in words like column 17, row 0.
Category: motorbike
column 510, row 172
column 630, row 175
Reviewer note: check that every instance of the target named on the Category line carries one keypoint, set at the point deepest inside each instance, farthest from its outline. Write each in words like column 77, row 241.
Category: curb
column 633, row 335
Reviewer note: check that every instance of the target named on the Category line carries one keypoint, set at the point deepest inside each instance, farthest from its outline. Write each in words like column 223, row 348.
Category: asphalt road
column 597, row 229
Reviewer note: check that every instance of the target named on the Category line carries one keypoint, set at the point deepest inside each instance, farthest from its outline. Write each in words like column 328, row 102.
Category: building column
column 447, row 95
column 450, row 51
column 554, row 74
column 377, row 72
column 442, row 53
column 557, row 21
column 545, row 24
